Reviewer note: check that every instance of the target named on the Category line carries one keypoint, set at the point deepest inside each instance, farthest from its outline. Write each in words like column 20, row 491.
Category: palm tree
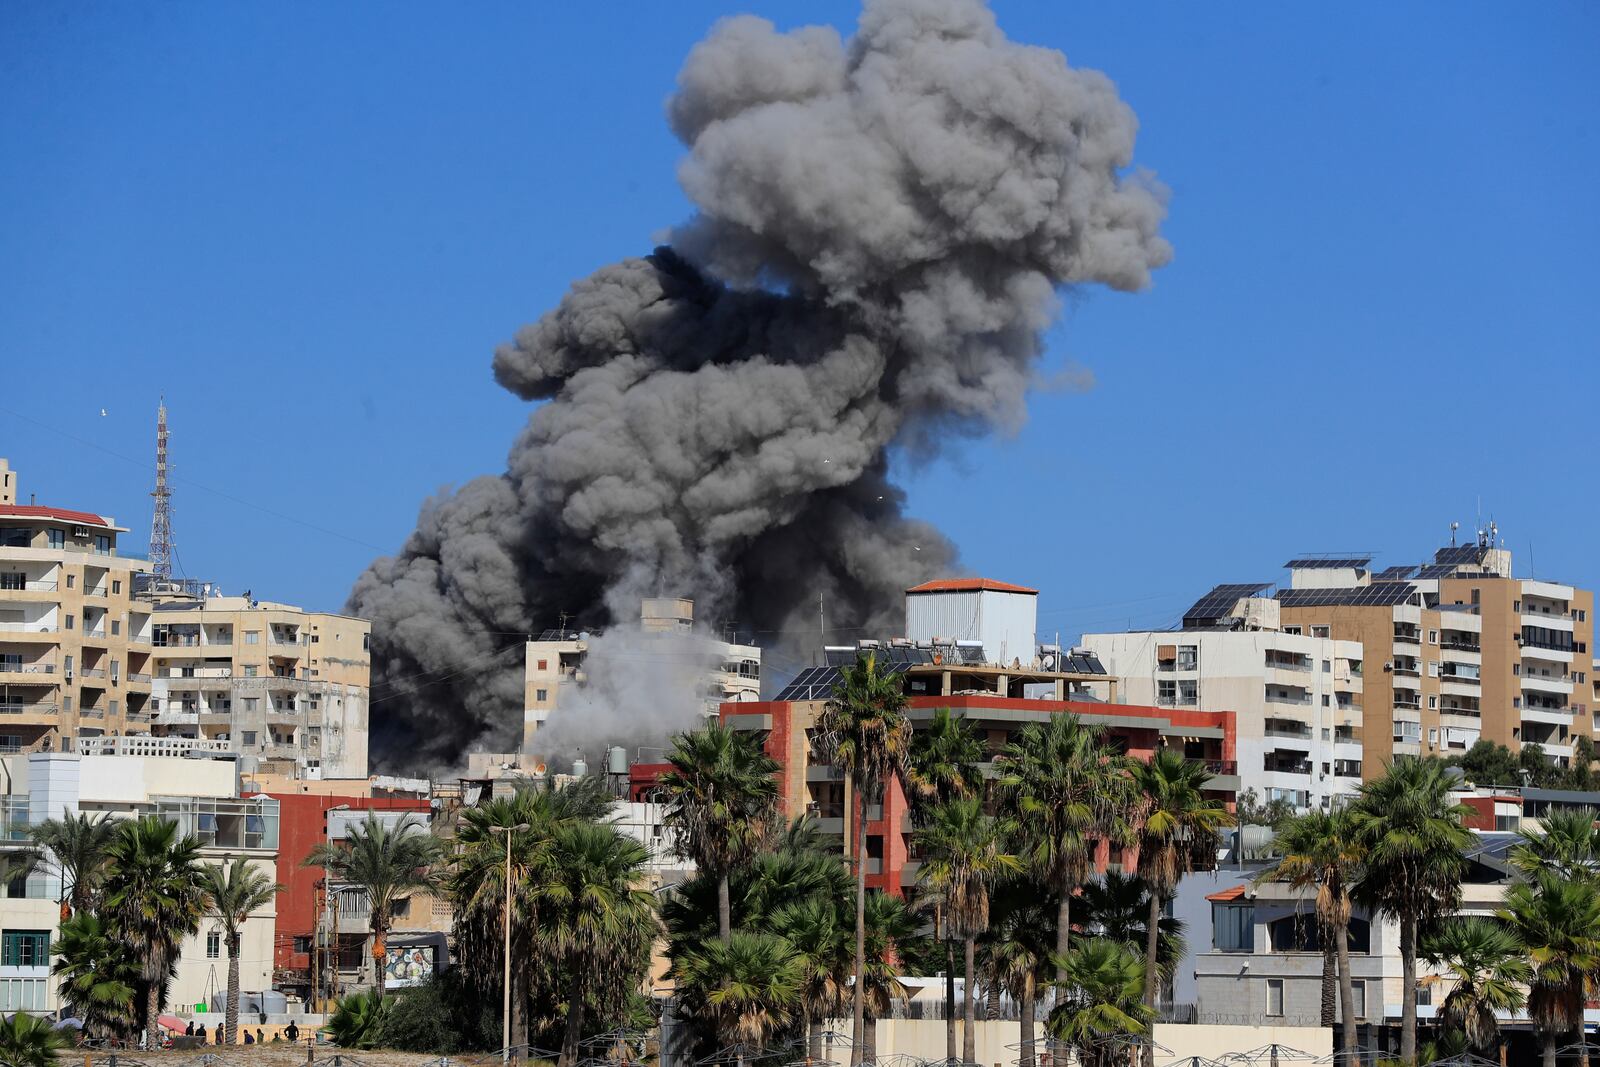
column 234, row 893
column 864, row 730
column 477, row 888
column 389, row 862
column 154, row 897
column 943, row 766
column 815, row 930
column 964, row 857
column 892, row 944
column 99, row 977
column 1559, row 923
column 357, row 1020
column 1567, row 844
column 1319, row 851
column 78, row 845
column 1067, row 791
column 1018, row 951
column 749, row 986
column 1101, row 1003
column 722, row 798
column 1489, row 968
column 1117, row 907
column 1413, row 838
column 1179, row 826
column 596, row 919
column 29, row 1041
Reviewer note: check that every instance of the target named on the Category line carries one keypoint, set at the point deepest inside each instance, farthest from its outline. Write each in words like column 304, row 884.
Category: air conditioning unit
column 81, row 532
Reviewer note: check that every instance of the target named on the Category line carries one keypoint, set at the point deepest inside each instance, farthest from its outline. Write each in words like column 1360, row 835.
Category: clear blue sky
column 309, row 224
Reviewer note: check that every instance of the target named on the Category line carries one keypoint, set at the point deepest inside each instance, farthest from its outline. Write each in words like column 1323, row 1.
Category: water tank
column 619, row 760
column 580, row 767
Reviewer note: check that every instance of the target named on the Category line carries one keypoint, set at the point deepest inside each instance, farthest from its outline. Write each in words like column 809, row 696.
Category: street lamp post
column 505, row 1013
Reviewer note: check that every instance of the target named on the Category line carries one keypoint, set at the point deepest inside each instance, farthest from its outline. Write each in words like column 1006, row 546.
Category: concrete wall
column 995, row 1042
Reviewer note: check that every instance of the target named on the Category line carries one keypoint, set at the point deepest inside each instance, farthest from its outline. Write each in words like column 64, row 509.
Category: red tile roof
column 1228, row 894
column 969, row 585
column 32, row 511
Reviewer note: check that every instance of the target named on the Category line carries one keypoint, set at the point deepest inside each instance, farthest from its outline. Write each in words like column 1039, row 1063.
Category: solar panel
column 1395, row 574
column 1460, row 554
column 1436, row 570
column 1379, row 594
column 818, row 683
column 1089, row 664
column 1328, row 563
column 1221, row 600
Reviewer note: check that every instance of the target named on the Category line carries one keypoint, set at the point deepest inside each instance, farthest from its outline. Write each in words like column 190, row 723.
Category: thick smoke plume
column 882, row 226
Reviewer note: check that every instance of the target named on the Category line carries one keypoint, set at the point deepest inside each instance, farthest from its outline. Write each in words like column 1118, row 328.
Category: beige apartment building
column 74, row 642
column 287, row 686
column 666, row 647
column 1456, row 650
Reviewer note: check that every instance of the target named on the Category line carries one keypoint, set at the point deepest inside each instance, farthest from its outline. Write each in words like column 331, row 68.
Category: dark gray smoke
column 882, row 228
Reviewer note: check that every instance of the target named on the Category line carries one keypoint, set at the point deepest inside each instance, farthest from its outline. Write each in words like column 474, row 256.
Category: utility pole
column 505, row 1011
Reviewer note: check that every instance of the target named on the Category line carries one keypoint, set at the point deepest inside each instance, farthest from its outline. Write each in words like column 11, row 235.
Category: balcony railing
column 27, row 628
column 94, row 672
column 1464, row 679
column 29, row 587
column 29, row 709
column 1289, row 664
column 1287, row 768
column 1221, row 766
column 1288, row 698
column 1460, row 646
column 1285, row 731
column 27, row 668
column 1407, row 639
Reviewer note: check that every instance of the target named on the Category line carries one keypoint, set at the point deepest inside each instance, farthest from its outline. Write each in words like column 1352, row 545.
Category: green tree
column 893, row 945
column 1412, row 836
column 1580, row 775
column 77, row 845
column 1100, row 1004
column 722, row 798
column 816, row 930
column 598, row 922
column 234, row 893
column 1179, row 828
column 1487, row 763
column 1320, row 851
column 29, row 1041
column 1566, row 844
column 1489, row 967
column 1017, row 952
column 1535, row 767
column 389, row 862
column 477, row 888
column 99, row 977
column 964, row 856
column 1067, row 791
column 864, row 730
column 944, row 766
column 1117, row 907
column 1559, row 923
column 154, row 897
column 749, row 986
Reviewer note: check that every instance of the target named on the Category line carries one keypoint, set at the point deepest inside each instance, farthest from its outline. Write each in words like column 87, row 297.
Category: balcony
column 30, row 711
column 1553, row 716
column 1540, row 683
column 19, row 591
column 1288, row 730
column 1406, row 637
column 1283, row 697
column 27, row 629
column 27, row 673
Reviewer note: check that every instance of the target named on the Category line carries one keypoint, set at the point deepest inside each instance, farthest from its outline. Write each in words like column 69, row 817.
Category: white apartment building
column 666, row 638
column 194, row 784
column 1297, row 697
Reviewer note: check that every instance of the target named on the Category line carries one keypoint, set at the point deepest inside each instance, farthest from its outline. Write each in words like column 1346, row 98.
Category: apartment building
column 1298, row 699
column 666, row 643
column 1458, row 649
column 74, row 642
column 194, row 784
column 287, row 686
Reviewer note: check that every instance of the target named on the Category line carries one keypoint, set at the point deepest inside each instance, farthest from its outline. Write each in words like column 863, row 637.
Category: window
column 1433, row 637
column 1188, row 692
column 250, row 672
column 1233, row 927
column 252, row 637
column 1580, row 614
column 18, row 536
column 1319, row 631
column 1275, row 997
column 116, row 586
column 1433, row 670
column 1408, row 732
column 1358, row 991
column 1188, row 657
column 1291, row 629
column 69, row 622
column 541, row 694
column 401, row 908
column 213, row 944
column 72, row 580
column 22, row 994
column 1516, row 605
column 250, row 703
column 112, row 707
column 116, row 627
column 247, row 737
column 1327, row 665
column 102, row 545
column 57, row 538
column 1433, row 702
column 1433, row 736
column 544, row 665
column 25, row 948
column 1166, row 692
column 302, row 944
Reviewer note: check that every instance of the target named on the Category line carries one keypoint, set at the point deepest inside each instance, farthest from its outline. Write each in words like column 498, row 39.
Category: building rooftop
column 41, row 511
column 970, row 585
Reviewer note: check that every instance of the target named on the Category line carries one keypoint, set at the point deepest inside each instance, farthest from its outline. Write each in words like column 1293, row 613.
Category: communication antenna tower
column 161, row 517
